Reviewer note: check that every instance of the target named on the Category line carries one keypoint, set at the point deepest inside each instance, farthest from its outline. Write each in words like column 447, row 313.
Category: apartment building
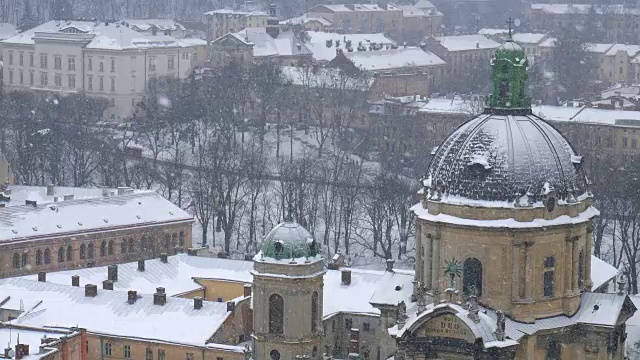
column 222, row 21
column 157, row 27
column 109, row 60
column 361, row 18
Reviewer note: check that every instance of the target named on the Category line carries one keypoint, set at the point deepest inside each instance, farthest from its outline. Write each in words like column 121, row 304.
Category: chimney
column 140, row 265
column 163, row 258
column 272, row 10
column 346, row 277
column 247, row 290
column 159, row 298
column 50, row 190
column 112, row 272
column 33, row 203
column 160, row 290
column 197, row 303
column 22, row 350
column 231, row 306
column 107, row 285
column 68, row 197
column 75, row 280
column 132, row 296
column 42, row 276
column 390, row 263
column 90, row 290
column 477, row 45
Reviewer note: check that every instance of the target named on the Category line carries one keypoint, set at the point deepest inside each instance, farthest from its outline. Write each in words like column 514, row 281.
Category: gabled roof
column 236, row 12
column 467, row 42
column 286, row 44
column 160, row 24
column 393, row 59
column 351, row 8
column 304, row 19
column 631, row 50
column 231, row 38
column 528, row 38
column 316, row 41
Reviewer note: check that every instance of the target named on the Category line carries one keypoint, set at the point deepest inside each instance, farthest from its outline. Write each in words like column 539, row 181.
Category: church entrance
column 472, row 277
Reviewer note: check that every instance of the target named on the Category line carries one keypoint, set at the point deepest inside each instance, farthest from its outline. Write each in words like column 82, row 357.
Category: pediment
column 445, row 325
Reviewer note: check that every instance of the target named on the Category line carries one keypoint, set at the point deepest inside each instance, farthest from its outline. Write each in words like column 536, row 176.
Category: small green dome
column 289, row 240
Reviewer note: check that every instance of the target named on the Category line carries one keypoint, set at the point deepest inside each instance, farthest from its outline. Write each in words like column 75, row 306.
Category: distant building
column 220, row 22
column 107, row 60
column 71, row 233
column 325, row 46
column 157, row 27
column 40, row 343
column 305, row 22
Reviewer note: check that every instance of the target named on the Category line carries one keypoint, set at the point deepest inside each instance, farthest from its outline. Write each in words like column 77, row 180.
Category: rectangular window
column 101, row 83
column 107, row 349
column 31, row 76
column 10, row 76
column 10, row 57
column 152, row 63
column 171, row 63
column 133, row 64
column 21, row 59
column 348, row 324
column 625, row 142
column 44, row 80
column 634, row 143
column 161, row 355
column 133, row 83
column 57, row 79
column 549, row 276
column 101, row 65
column 113, row 84
column 366, row 326
column 72, row 81
column 90, row 63
column 127, row 351
column 113, row 65
column 43, row 61
column 90, row 82
column 189, row 356
column 149, row 354
column 21, row 77
column 31, row 59
column 72, row 63
column 57, row 62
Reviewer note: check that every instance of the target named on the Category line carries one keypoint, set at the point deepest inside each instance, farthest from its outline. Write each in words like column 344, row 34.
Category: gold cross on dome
column 510, row 23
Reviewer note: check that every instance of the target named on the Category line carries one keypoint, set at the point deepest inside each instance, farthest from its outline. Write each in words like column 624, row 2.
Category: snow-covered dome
column 289, row 240
column 501, row 157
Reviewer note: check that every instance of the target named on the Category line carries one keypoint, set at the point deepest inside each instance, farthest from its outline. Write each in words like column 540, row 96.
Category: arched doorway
column 472, row 277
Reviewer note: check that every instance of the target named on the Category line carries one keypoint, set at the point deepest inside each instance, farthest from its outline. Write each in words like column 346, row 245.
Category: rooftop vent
column 159, row 298
column 247, row 290
column 140, row 265
column 163, row 258
column 197, row 303
column 390, row 263
column 107, row 285
column 112, row 272
column 33, row 203
column 90, row 290
column 231, row 306
column 42, row 276
column 69, row 197
column 75, row 280
column 346, row 277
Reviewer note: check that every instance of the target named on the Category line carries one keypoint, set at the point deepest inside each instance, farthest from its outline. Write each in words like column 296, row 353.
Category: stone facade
column 221, row 22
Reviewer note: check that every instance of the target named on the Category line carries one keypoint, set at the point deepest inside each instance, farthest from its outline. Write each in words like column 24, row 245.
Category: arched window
column 549, row 276
column 553, row 350
column 16, row 261
column 149, row 354
column 276, row 314
column 103, row 248
column 83, row 251
column 38, row 257
column 47, row 256
column 130, row 245
column 314, row 312
column 165, row 243
column 314, row 352
column 274, row 355
column 25, row 259
column 90, row 251
column 61, row 254
column 123, row 246
column 69, row 253
column 110, row 248
column 580, row 269
column 143, row 244
column 472, row 277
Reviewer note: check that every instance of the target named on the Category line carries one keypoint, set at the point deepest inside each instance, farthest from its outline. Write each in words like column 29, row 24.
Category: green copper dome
column 289, row 240
column 509, row 75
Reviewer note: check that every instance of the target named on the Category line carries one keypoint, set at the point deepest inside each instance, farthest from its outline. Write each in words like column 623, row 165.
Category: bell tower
column 287, row 295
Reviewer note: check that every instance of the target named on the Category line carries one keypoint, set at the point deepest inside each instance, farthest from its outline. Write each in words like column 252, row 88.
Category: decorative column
column 435, row 256
column 568, row 266
column 528, row 278
column 576, row 258
column 419, row 259
column 428, row 261
column 516, row 266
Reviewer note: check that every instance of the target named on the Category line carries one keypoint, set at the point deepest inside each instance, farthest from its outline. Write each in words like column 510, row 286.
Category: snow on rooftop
column 456, row 105
column 9, row 336
column 587, row 115
column 601, row 272
column 357, row 7
column 467, row 42
column 528, row 38
column 631, row 50
column 236, row 12
column 74, row 216
column 548, row 42
column 598, row 48
column 20, row 193
column 394, row 59
column 489, row 31
column 286, row 44
column 317, row 43
column 415, row 11
column 99, row 35
column 324, row 77
column 109, row 312
column 304, row 19
column 160, row 24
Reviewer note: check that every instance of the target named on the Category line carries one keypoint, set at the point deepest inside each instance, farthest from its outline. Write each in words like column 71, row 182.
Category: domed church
column 503, row 236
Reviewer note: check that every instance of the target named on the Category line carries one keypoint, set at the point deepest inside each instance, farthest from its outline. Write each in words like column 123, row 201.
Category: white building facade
column 109, row 60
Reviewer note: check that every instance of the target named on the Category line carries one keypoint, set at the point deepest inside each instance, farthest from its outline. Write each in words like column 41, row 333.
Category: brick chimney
column 197, row 303
column 231, row 306
column 160, row 297
column 140, row 265
column 163, row 258
column 75, row 280
column 346, row 277
column 90, row 290
column 22, row 350
column 390, row 263
column 42, row 276
column 247, row 290
column 112, row 273
column 107, row 285
column 132, row 296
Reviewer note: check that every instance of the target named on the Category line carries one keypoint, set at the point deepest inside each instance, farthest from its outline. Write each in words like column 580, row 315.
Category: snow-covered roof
column 236, row 12
column 304, row 19
column 110, row 313
column 98, row 35
column 355, row 7
column 176, row 276
column 7, row 30
column 317, row 43
column 286, row 44
column 78, row 216
column 601, row 272
column 393, row 287
column 454, row 105
column 588, row 115
column 20, row 193
column 424, row 4
column 548, row 42
column 32, row 336
column 631, row 50
column 489, row 31
column 621, row 90
column 160, row 24
column 598, row 48
column 564, row 9
column 414, row 11
column 394, row 59
column 188, row 42
column 467, row 42
column 330, row 78
column 528, row 38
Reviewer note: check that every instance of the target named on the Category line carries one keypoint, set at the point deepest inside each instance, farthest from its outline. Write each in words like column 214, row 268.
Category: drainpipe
column 145, row 71
column 101, row 347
